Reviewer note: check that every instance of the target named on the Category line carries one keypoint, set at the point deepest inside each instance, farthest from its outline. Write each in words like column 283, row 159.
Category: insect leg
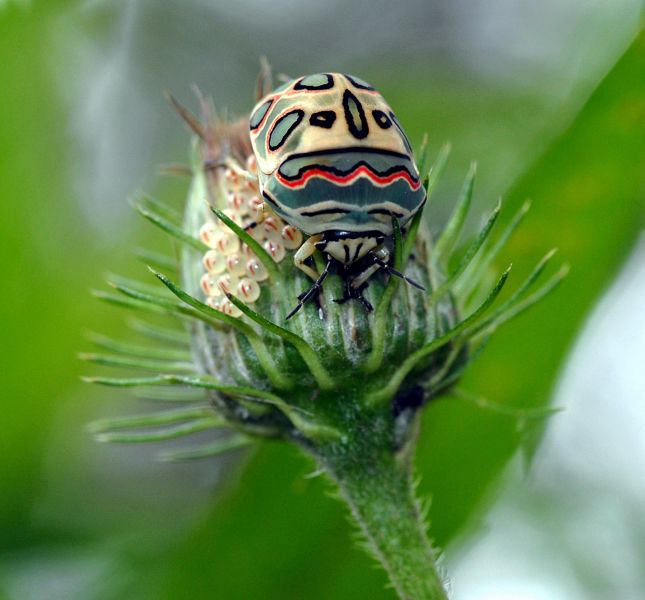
column 260, row 215
column 314, row 289
column 355, row 293
column 380, row 252
column 304, row 252
column 392, row 271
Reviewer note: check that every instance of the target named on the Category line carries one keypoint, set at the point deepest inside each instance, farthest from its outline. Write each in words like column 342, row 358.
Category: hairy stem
column 380, row 494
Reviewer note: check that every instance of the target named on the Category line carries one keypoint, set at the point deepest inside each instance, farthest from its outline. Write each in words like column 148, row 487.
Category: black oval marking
column 325, row 211
column 324, row 119
column 385, row 211
column 353, row 108
column 269, row 199
column 382, row 120
column 357, row 82
column 327, row 85
column 258, row 116
column 274, row 144
column 398, row 126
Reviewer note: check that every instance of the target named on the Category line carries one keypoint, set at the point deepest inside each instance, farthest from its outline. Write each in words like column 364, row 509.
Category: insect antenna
column 396, row 273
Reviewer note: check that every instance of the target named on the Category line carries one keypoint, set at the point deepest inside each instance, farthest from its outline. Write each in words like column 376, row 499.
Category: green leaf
column 160, row 304
column 130, row 303
column 159, row 418
column 381, row 314
column 159, row 435
column 519, row 307
column 519, row 293
column 159, row 352
column 263, row 256
column 452, row 231
column 480, row 266
column 137, row 363
column 308, row 354
column 469, row 254
column 585, row 194
column 216, row 448
column 517, row 413
column 207, row 313
column 388, row 392
column 158, row 394
column 160, row 208
column 197, row 381
column 156, row 259
column 437, row 170
column 170, row 228
column 156, row 332
column 422, row 154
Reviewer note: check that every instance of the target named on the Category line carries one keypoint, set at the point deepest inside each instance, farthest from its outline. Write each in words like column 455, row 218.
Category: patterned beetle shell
column 332, row 156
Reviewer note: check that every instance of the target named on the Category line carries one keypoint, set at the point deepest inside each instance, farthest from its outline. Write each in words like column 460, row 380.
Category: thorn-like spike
column 216, row 448
column 263, row 256
column 452, row 231
column 210, row 314
column 175, row 169
column 137, row 363
column 264, row 83
column 308, row 354
column 470, row 253
column 159, row 435
column 519, row 302
column 166, row 417
column 437, row 169
column 155, row 258
column 465, row 287
column 387, row 393
column 189, row 118
column 169, row 227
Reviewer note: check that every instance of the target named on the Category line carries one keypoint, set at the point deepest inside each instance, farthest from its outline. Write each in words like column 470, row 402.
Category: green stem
column 380, row 494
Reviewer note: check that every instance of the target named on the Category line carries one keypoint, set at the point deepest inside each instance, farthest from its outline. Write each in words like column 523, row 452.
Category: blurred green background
column 548, row 97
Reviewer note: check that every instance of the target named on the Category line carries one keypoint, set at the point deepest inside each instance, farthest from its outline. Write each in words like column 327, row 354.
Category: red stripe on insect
column 363, row 170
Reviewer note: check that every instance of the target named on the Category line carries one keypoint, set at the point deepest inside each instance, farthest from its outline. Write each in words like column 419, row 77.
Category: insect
column 334, row 162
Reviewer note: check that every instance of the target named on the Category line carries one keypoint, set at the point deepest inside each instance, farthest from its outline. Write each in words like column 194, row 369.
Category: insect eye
column 324, row 119
column 382, row 120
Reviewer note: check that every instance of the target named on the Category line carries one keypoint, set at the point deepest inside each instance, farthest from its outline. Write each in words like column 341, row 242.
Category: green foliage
column 269, row 532
column 585, row 200
column 462, row 448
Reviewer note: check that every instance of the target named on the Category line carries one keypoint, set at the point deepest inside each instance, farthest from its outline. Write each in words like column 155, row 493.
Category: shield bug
column 334, row 162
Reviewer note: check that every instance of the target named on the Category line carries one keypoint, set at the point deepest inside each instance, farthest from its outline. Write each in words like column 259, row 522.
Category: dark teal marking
column 357, row 82
column 284, row 127
column 345, row 160
column 319, row 81
column 362, row 194
column 259, row 114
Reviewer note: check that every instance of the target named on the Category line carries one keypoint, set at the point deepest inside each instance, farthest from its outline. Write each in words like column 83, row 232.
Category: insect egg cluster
column 231, row 266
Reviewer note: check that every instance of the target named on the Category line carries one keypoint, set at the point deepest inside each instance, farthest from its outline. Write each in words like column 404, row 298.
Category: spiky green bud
column 344, row 383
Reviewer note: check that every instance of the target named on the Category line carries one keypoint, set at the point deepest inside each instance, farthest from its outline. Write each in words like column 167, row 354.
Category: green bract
column 344, row 384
